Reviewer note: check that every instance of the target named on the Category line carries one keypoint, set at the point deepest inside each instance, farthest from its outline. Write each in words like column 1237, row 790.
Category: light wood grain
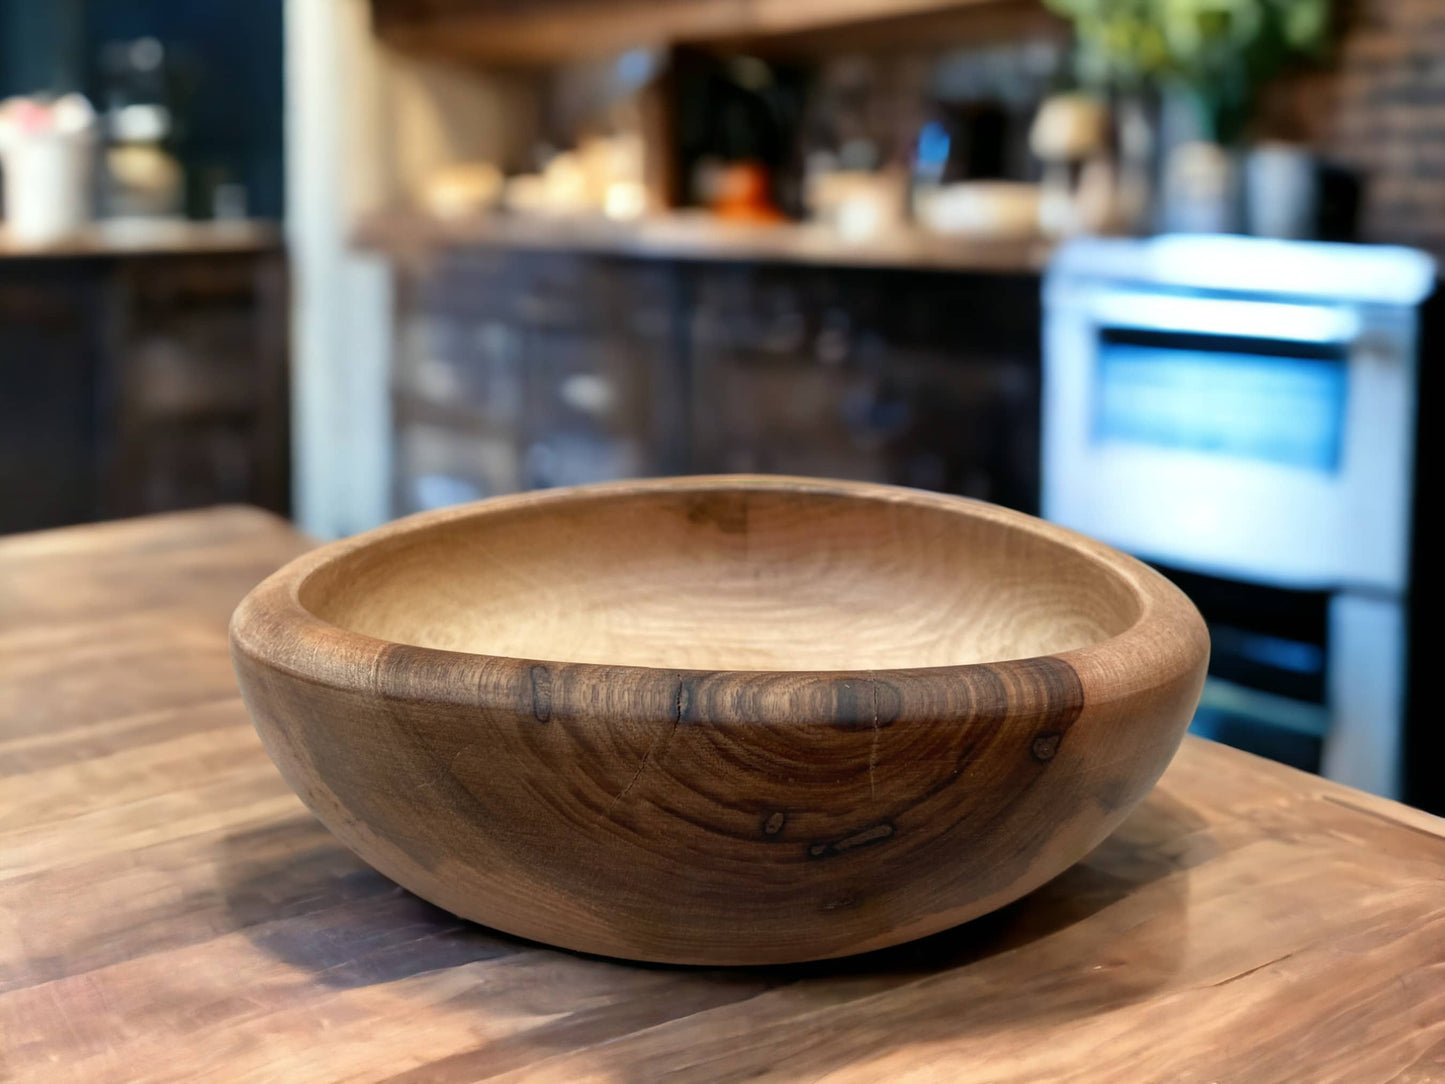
column 732, row 720
column 170, row 912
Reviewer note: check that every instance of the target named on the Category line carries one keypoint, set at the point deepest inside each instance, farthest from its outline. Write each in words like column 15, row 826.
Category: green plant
column 1217, row 50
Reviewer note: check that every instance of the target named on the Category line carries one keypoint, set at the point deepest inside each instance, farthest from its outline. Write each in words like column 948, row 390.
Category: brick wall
column 1378, row 107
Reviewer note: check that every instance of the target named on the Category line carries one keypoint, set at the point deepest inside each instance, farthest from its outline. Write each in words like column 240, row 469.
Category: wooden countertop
column 169, row 911
column 150, row 238
column 702, row 237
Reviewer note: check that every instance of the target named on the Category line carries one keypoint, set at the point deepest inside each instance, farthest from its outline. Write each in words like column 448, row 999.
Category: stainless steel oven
column 1241, row 413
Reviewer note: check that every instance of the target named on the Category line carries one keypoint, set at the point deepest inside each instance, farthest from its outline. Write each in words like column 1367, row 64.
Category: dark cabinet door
column 141, row 384
column 50, row 397
column 917, row 379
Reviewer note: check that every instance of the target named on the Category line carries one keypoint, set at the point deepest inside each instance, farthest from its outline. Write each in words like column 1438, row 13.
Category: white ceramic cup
column 47, row 186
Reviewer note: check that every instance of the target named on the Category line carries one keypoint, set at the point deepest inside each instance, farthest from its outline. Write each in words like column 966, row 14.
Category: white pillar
column 341, row 316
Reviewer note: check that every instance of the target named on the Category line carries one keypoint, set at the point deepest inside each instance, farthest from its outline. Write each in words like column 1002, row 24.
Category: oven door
column 1266, row 441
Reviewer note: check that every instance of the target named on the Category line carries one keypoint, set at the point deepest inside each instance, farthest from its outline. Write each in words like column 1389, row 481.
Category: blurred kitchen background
column 1162, row 270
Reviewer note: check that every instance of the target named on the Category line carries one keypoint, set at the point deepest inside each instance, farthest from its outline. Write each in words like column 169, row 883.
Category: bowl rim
column 272, row 626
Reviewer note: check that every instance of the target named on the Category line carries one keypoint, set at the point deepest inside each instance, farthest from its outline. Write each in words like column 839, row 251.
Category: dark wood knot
column 541, row 693
column 827, row 848
column 1046, row 745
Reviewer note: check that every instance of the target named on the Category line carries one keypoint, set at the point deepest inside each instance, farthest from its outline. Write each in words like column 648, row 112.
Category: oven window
column 1272, row 407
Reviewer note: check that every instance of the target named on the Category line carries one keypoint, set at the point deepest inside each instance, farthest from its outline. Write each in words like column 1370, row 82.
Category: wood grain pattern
column 169, row 911
column 733, row 720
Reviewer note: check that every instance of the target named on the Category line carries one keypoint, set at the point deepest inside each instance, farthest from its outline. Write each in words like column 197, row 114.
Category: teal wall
column 40, row 46
column 228, row 55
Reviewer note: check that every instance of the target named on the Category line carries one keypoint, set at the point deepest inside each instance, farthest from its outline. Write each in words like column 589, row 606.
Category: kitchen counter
column 149, row 238
column 698, row 236
column 170, row 911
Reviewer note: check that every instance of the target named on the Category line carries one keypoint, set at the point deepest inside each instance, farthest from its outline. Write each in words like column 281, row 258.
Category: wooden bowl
column 720, row 720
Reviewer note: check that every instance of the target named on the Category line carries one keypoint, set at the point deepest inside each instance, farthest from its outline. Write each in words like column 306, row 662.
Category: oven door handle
column 1279, row 321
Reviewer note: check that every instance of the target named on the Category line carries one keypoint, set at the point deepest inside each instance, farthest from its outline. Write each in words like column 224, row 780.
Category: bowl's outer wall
column 720, row 817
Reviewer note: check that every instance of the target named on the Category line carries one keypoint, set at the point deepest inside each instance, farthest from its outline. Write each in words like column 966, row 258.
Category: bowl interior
column 735, row 579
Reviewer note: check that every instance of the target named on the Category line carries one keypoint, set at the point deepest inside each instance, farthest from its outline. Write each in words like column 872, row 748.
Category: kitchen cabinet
column 520, row 368
column 142, row 379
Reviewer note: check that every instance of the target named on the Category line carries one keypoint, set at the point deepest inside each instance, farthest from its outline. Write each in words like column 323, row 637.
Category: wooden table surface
column 169, row 911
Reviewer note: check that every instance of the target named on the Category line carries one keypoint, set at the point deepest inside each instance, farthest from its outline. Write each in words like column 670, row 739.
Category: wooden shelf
column 685, row 236
column 547, row 31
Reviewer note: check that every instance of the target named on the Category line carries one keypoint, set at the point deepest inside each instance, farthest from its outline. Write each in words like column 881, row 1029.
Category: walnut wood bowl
column 720, row 720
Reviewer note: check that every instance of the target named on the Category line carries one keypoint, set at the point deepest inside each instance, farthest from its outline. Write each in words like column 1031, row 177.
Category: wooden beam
column 555, row 30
